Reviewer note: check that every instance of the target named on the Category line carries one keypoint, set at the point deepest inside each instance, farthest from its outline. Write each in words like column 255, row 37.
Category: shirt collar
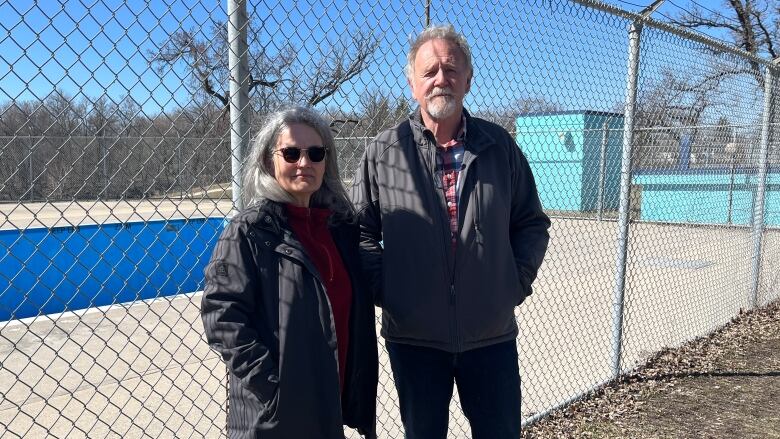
column 460, row 138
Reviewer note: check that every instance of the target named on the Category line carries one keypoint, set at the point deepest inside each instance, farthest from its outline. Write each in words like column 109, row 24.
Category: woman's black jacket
column 267, row 313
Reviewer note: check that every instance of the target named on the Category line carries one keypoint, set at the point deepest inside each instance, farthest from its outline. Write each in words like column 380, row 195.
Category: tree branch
column 746, row 32
column 767, row 36
column 210, row 90
column 340, row 66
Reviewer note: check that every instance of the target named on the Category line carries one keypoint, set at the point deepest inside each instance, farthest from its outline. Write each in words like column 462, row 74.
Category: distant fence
column 53, row 168
column 119, row 117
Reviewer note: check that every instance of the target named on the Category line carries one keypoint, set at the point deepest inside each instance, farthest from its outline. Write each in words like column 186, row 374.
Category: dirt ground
column 725, row 385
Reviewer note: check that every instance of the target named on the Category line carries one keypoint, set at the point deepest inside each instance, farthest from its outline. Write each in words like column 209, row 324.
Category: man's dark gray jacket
column 431, row 296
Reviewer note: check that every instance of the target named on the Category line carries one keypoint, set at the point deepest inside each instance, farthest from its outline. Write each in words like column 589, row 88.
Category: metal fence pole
column 603, row 168
column 625, row 194
column 239, row 93
column 758, row 207
column 731, row 149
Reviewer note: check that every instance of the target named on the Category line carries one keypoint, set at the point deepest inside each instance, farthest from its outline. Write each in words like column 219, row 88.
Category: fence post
column 763, row 162
column 625, row 195
column 603, row 167
column 731, row 150
column 239, row 93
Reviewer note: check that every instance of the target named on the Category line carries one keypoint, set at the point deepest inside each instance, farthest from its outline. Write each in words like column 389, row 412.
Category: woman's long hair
column 259, row 180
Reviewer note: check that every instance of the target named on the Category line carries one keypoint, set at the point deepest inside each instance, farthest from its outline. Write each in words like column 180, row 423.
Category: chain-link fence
column 116, row 177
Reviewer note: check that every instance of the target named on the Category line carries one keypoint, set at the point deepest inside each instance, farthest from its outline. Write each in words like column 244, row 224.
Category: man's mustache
column 439, row 92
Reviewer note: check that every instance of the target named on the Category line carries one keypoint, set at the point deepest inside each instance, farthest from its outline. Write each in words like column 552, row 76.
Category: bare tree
column 15, row 150
column 338, row 65
column 752, row 25
column 68, row 115
column 667, row 115
column 206, row 59
column 679, row 105
column 380, row 111
column 309, row 79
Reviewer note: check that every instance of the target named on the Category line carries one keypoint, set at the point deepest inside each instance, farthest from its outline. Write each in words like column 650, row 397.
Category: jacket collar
column 477, row 138
column 271, row 216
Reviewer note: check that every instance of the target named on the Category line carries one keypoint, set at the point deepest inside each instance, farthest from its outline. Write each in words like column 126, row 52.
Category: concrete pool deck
column 77, row 213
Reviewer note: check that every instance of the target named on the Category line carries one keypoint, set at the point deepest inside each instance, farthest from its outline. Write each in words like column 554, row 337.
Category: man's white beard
column 441, row 106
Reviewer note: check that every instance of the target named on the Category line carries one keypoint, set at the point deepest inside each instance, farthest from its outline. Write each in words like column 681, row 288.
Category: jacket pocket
column 250, row 409
column 267, row 404
column 523, row 286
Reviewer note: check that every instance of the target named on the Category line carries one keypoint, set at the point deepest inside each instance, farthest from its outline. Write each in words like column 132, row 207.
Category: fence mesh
column 115, row 177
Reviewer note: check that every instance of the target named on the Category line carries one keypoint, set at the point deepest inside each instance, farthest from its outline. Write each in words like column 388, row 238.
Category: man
column 454, row 204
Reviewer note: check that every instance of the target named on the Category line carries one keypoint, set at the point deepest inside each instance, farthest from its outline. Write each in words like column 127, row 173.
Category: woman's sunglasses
column 291, row 154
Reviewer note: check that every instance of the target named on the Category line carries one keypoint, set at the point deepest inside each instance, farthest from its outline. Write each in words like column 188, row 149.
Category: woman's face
column 303, row 177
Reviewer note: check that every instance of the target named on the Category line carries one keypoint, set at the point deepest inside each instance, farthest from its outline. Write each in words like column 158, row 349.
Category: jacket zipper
column 477, row 229
column 454, row 314
column 317, row 278
column 447, row 247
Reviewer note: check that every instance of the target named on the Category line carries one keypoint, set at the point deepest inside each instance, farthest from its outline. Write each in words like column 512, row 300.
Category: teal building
column 575, row 157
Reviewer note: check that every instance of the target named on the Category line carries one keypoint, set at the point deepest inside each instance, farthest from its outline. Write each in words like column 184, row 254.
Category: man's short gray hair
column 442, row 32
column 259, row 177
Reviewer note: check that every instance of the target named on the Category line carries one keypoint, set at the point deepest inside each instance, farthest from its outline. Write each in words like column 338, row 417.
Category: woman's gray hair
column 441, row 32
column 259, row 180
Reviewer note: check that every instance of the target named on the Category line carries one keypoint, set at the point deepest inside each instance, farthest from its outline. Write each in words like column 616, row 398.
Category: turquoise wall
column 564, row 151
column 703, row 198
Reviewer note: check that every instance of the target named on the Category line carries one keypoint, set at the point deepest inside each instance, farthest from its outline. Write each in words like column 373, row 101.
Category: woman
column 284, row 302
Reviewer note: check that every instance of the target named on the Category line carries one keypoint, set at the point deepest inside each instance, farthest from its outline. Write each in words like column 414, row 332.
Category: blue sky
column 92, row 50
column 573, row 56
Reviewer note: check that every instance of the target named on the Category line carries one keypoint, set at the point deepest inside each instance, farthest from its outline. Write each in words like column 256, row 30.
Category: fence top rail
column 677, row 30
column 554, row 128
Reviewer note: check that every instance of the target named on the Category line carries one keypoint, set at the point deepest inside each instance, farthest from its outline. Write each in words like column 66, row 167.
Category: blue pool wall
column 701, row 196
column 51, row 270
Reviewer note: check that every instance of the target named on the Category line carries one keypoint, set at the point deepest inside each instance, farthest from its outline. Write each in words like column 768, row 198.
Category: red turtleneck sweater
column 310, row 226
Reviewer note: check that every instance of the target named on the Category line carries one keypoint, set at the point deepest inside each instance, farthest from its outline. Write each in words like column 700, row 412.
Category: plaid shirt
column 449, row 163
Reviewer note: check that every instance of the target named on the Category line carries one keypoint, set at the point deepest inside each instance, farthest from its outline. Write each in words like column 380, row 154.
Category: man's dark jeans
column 488, row 381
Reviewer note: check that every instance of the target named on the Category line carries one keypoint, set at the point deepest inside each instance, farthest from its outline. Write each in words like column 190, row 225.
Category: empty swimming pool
column 51, row 270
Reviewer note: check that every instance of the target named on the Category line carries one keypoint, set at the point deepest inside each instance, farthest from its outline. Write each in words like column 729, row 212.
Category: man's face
column 440, row 79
